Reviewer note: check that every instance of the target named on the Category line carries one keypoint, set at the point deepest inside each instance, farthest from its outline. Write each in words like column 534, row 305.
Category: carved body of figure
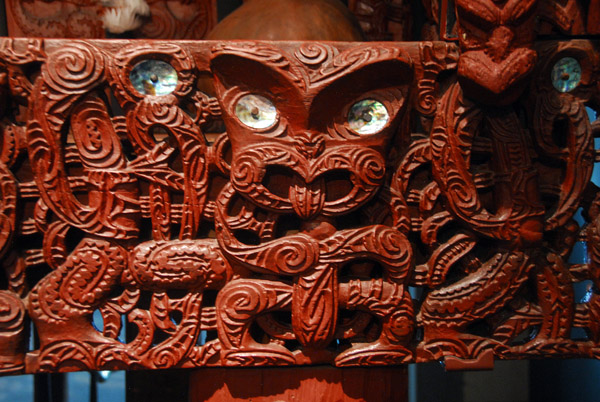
column 476, row 116
column 282, row 221
column 304, row 158
column 109, row 268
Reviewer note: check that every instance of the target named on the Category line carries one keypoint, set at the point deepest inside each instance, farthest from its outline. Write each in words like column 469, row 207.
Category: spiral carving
column 392, row 243
column 247, row 170
column 427, row 98
column 166, row 357
column 293, row 256
column 12, row 312
column 74, row 69
column 370, row 166
column 242, row 300
column 313, row 54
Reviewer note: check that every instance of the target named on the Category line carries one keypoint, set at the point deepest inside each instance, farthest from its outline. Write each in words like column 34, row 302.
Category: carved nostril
column 309, row 143
column 499, row 43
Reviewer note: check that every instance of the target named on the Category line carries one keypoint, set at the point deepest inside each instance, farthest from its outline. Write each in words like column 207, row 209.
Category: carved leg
column 447, row 312
column 238, row 305
column 556, row 300
column 62, row 304
column 392, row 304
column 555, row 295
column 12, row 337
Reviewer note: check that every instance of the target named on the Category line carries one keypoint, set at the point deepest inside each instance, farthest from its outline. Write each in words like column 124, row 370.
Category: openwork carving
column 323, row 203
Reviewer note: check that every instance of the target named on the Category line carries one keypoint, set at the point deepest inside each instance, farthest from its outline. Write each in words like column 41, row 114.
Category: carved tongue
column 307, row 198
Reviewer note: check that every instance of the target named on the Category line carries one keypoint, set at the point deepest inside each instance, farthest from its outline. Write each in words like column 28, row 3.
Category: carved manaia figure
column 309, row 131
column 479, row 113
column 109, row 267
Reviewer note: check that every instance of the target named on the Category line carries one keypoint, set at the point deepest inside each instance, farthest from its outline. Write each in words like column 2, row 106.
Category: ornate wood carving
column 182, row 19
column 283, row 220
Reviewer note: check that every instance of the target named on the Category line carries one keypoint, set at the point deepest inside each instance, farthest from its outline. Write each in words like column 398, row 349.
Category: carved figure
column 282, row 219
column 184, row 19
column 292, row 159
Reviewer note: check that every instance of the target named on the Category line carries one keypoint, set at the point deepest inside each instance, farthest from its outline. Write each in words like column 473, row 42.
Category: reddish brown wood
column 495, row 62
column 300, row 384
column 593, row 17
column 220, row 243
column 289, row 20
column 180, row 19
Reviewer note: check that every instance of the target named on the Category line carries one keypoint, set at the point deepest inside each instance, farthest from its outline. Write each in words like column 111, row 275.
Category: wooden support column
column 373, row 384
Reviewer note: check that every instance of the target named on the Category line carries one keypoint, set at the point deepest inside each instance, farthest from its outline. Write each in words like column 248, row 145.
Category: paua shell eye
column 367, row 116
column 256, row 111
column 566, row 74
column 153, row 77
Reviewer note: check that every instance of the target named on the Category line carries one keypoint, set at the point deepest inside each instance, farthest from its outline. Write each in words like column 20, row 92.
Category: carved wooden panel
column 180, row 19
column 349, row 204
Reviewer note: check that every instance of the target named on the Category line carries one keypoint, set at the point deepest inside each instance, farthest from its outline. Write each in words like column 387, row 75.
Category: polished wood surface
column 300, row 384
column 330, row 203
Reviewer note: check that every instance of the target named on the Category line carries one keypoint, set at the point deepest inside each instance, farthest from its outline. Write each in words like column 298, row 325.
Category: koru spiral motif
column 186, row 204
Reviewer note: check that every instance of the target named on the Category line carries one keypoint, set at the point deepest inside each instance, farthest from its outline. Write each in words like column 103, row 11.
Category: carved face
column 308, row 126
column 495, row 38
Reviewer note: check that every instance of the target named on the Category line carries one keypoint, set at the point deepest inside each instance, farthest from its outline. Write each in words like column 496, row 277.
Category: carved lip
column 307, row 199
column 307, row 193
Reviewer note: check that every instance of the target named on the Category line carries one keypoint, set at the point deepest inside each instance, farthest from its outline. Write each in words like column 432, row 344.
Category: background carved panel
column 180, row 19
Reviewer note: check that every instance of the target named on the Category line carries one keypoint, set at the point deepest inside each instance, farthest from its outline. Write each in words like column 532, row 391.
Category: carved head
column 309, row 125
column 495, row 39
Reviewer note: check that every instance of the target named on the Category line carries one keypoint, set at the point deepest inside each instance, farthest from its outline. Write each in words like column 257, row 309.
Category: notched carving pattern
column 156, row 231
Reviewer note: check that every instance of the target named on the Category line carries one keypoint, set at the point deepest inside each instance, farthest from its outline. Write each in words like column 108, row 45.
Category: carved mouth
column 308, row 199
column 281, row 180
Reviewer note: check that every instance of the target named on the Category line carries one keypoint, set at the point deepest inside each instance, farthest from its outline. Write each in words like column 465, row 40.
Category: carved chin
column 500, row 83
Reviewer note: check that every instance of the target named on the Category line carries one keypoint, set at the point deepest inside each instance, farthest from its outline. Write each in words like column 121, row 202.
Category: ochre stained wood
column 300, row 384
column 178, row 19
column 327, row 203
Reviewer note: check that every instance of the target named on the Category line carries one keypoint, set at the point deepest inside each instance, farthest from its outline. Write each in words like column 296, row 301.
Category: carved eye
column 256, row 111
column 367, row 116
column 566, row 74
column 153, row 77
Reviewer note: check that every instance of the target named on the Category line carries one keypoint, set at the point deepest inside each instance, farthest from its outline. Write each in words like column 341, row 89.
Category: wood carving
column 183, row 19
column 383, row 19
column 341, row 203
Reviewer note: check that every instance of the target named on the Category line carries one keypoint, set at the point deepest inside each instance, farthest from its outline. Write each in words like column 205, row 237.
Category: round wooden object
column 290, row 20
